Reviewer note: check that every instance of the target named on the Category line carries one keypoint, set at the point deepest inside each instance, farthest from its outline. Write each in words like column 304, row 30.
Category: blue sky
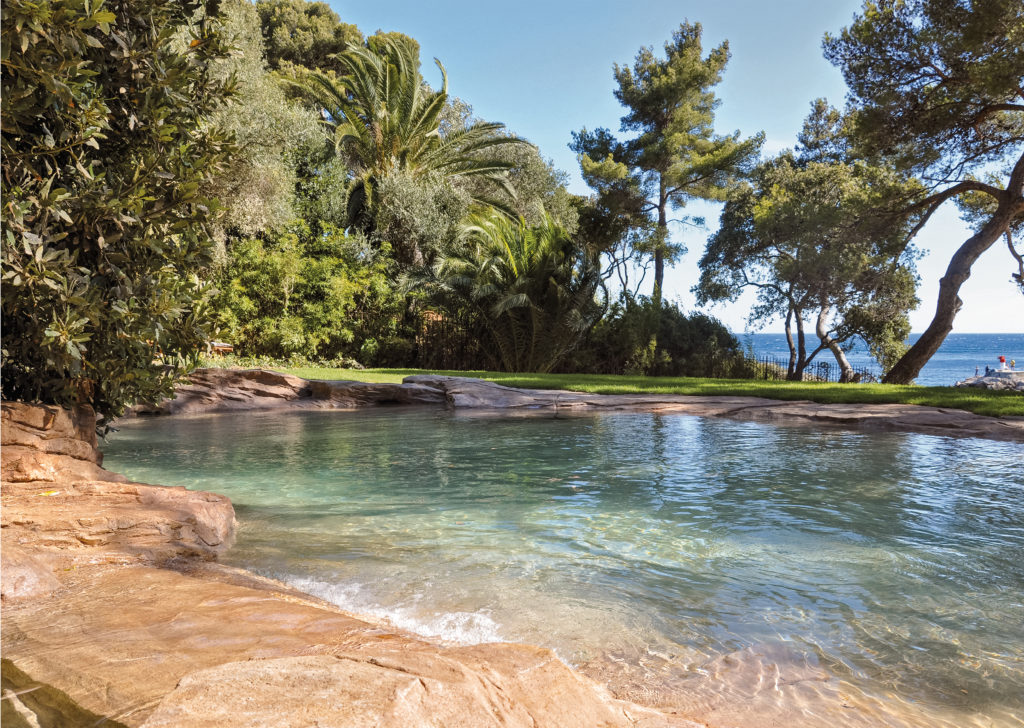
column 545, row 70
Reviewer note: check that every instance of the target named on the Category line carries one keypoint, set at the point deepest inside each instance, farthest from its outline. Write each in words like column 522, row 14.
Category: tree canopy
column 106, row 157
column 675, row 154
column 384, row 119
column 806, row 236
column 307, row 34
column 937, row 86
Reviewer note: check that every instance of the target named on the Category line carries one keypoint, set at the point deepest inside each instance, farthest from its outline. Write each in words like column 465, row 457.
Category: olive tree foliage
column 674, row 154
column 273, row 135
column 938, row 85
column 419, row 213
column 307, row 34
column 810, row 235
column 106, row 160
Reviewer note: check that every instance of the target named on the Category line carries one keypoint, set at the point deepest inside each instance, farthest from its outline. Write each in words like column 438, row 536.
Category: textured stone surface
column 41, row 443
column 227, row 390
column 91, row 521
column 57, row 499
column 476, row 393
column 213, row 647
column 24, row 575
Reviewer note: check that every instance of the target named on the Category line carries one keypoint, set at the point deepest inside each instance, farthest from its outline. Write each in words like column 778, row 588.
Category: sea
column 955, row 360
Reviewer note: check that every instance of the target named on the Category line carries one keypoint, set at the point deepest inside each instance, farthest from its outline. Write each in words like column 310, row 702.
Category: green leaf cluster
column 106, row 160
column 317, row 294
column 529, row 292
column 813, row 233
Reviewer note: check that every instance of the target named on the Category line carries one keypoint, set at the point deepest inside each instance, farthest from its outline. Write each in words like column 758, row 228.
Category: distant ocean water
column 955, row 359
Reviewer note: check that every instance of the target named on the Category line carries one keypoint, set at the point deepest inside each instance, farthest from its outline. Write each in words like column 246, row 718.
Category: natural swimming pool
column 737, row 571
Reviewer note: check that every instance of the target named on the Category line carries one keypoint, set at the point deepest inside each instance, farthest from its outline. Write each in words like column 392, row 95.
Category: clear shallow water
column 737, row 572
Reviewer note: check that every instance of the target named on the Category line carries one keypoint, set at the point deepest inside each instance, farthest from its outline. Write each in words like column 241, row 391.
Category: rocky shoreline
column 115, row 613
column 114, row 606
column 233, row 390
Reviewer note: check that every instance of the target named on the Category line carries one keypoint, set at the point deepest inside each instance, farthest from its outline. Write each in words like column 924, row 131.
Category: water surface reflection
column 820, row 577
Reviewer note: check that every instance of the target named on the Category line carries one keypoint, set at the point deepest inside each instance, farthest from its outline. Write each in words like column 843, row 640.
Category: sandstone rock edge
column 232, row 390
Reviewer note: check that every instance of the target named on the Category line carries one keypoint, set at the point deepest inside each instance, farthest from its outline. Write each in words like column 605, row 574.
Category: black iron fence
column 446, row 343
column 770, row 367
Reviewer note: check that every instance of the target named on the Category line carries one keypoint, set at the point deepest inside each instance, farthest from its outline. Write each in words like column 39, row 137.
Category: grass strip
column 979, row 401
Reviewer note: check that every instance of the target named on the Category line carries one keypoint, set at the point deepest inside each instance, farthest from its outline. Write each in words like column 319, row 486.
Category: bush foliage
column 105, row 160
column 299, row 292
column 640, row 337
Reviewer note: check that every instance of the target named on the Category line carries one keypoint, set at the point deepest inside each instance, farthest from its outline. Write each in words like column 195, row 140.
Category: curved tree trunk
column 949, row 303
column 792, row 347
column 1011, row 203
column 821, row 330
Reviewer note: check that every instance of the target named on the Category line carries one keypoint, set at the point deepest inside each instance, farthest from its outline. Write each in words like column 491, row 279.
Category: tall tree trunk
column 659, row 250
column 1011, row 203
column 821, row 329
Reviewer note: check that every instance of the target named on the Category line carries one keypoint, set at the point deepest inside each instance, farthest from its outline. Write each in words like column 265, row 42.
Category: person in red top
column 1002, row 362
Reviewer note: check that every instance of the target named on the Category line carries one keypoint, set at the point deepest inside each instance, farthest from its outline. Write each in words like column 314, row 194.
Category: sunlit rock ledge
column 115, row 613
column 234, row 390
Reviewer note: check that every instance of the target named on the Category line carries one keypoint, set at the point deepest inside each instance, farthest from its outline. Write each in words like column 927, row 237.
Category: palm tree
column 531, row 291
column 383, row 118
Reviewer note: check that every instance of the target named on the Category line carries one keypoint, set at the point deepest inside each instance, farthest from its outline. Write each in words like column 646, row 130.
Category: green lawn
column 981, row 401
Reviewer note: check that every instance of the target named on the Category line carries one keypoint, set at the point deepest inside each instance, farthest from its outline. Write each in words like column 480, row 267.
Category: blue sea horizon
column 955, row 360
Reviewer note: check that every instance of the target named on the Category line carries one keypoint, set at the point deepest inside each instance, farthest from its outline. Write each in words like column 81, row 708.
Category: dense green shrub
column 639, row 337
column 315, row 294
column 528, row 293
column 105, row 157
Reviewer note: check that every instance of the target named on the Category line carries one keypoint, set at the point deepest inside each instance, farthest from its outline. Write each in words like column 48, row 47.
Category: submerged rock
column 214, row 647
column 462, row 393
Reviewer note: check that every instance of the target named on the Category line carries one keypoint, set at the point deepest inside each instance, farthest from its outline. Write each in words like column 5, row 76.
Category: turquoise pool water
column 736, row 572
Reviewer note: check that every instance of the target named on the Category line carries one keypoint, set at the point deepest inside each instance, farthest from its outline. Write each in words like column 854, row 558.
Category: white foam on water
column 464, row 628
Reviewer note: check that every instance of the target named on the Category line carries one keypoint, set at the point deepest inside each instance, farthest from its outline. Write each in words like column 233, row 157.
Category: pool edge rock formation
column 113, row 606
column 234, row 390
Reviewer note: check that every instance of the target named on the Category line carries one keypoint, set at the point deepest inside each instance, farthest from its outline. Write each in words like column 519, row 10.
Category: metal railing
column 775, row 368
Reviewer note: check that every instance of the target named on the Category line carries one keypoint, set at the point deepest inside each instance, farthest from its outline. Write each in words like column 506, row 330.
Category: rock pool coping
column 234, row 390
column 110, row 602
